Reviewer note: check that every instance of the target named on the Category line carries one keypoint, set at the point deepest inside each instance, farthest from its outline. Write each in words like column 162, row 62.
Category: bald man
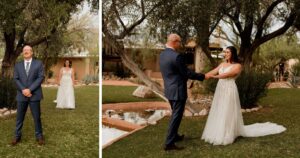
column 175, row 75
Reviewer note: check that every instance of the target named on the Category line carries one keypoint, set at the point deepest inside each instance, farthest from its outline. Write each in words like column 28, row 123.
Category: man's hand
column 26, row 92
column 208, row 76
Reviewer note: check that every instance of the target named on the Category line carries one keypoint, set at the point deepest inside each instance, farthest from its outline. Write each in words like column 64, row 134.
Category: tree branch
column 143, row 8
column 21, row 38
column 114, row 6
column 264, row 18
column 41, row 40
column 212, row 28
column 289, row 22
column 130, row 28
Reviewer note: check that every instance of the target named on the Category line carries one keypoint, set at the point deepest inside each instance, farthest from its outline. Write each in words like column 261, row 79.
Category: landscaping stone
column 3, row 110
column 143, row 92
column 187, row 113
column 203, row 112
column 6, row 113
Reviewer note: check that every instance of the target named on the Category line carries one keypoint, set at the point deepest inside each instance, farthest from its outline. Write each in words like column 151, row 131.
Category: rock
column 116, row 116
column 196, row 114
column 143, row 92
column 248, row 110
column 168, row 113
column 187, row 113
column 243, row 110
column 13, row 111
column 1, row 115
column 158, row 114
column 3, row 110
column 110, row 112
column 203, row 112
column 255, row 109
column 6, row 113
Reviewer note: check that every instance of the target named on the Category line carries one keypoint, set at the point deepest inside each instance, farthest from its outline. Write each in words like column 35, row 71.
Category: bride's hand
column 216, row 76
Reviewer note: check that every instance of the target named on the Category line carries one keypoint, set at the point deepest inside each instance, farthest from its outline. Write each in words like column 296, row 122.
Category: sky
column 85, row 9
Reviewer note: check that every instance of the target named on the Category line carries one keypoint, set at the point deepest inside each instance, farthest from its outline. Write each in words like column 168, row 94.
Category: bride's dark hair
column 70, row 63
column 234, row 56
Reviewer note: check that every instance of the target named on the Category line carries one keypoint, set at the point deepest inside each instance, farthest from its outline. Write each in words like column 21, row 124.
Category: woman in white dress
column 225, row 120
column 65, row 95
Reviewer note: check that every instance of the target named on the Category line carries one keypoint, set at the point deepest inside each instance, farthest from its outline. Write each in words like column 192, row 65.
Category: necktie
column 27, row 68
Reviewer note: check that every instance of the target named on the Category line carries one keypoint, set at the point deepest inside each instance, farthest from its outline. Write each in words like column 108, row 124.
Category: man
column 175, row 75
column 29, row 75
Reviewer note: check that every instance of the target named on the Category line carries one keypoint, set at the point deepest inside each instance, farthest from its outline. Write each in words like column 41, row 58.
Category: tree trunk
column 246, row 57
column 133, row 67
column 199, row 60
column 10, row 55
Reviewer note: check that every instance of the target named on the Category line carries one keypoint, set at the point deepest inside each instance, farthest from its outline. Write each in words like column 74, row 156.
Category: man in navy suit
column 29, row 75
column 175, row 75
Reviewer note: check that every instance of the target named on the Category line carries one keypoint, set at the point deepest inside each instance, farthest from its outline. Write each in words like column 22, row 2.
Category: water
column 140, row 118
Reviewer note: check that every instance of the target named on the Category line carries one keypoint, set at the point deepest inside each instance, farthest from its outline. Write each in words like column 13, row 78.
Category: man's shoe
column 172, row 147
column 41, row 141
column 15, row 141
column 179, row 138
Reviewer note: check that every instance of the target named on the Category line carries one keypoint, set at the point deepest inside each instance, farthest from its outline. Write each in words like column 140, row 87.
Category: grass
column 120, row 94
column 68, row 133
column 281, row 106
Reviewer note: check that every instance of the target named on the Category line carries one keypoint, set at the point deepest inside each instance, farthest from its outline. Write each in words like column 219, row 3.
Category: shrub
column 87, row 79
column 8, row 92
column 252, row 86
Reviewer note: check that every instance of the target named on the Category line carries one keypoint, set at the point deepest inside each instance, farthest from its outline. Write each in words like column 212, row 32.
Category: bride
column 225, row 121
column 65, row 96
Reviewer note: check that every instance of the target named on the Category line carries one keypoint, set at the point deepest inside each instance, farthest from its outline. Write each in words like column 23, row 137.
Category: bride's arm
column 72, row 75
column 215, row 71
column 236, row 69
column 59, row 76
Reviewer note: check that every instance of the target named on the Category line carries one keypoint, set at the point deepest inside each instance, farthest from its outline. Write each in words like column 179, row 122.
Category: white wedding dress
column 65, row 96
column 225, row 120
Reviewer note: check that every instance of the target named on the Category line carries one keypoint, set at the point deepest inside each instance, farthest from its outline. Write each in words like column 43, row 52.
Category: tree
column 78, row 35
column 119, row 21
column 253, row 20
column 31, row 22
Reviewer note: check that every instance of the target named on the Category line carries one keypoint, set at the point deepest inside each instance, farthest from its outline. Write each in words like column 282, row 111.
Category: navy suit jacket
column 175, row 74
column 33, row 81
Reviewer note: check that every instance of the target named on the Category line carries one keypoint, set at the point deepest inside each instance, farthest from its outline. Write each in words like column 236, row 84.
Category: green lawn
column 68, row 133
column 282, row 106
column 119, row 94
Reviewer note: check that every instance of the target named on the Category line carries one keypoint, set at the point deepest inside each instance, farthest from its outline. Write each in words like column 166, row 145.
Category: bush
column 252, row 86
column 87, row 79
column 90, row 79
column 8, row 92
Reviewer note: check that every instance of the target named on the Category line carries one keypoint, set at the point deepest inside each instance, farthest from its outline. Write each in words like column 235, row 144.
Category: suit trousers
column 177, row 113
column 36, row 114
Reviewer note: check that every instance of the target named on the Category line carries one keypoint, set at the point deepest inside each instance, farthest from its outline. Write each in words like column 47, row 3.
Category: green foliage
column 295, row 70
column 8, row 92
column 88, row 79
column 252, row 86
column 276, row 50
column 295, row 74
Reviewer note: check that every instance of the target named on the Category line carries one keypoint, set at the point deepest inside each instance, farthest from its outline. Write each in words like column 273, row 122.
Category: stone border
column 123, row 136
column 4, row 112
